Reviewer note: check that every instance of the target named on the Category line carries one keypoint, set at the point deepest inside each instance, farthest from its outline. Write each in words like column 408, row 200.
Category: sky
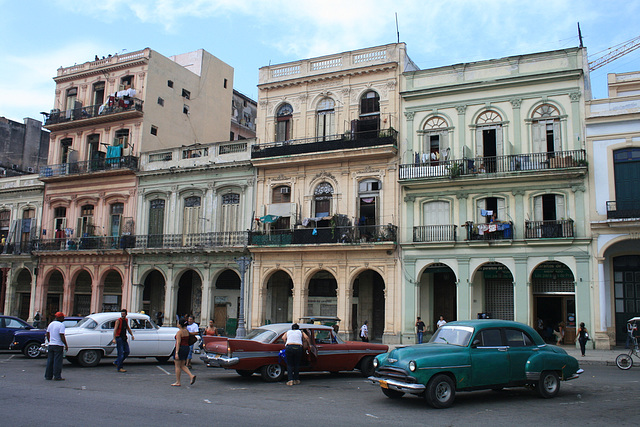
column 38, row 37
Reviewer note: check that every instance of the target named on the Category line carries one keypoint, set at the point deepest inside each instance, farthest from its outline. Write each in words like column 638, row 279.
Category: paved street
column 142, row 396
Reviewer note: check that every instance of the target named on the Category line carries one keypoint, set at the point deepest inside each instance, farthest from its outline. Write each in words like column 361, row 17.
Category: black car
column 16, row 334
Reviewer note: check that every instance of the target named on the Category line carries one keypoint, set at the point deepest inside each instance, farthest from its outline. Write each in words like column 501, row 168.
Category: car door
column 146, row 338
column 521, row 347
column 5, row 339
column 489, row 358
column 106, row 337
column 333, row 355
column 8, row 328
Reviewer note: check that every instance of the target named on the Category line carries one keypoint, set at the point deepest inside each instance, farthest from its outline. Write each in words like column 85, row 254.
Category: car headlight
column 412, row 366
column 375, row 362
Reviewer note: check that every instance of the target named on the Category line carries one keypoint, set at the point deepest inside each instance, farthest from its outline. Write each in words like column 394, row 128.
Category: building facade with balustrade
column 494, row 192
column 613, row 150
column 105, row 114
column 195, row 206
column 324, row 239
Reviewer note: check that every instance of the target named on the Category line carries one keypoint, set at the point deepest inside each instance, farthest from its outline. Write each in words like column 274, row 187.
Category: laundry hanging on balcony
column 268, row 219
column 114, row 152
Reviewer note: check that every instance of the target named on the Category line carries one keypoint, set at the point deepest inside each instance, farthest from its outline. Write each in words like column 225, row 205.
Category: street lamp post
column 243, row 262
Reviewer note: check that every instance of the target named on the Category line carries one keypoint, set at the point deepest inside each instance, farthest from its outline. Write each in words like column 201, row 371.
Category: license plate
column 217, row 356
column 384, row 384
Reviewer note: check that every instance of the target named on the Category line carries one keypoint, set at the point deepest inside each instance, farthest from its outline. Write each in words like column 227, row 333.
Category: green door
column 489, row 359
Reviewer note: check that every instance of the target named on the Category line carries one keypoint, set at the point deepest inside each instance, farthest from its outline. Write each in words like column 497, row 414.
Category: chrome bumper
column 213, row 360
column 397, row 385
column 576, row 375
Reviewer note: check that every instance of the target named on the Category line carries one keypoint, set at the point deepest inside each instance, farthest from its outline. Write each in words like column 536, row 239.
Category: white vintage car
column 90, row 340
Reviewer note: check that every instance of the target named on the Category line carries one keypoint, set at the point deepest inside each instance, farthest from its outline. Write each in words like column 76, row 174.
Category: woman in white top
column 293, row 349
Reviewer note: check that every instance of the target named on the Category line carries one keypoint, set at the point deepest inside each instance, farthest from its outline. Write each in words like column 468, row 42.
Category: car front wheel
column 440, row 392
column 89, row 358
column 272, row 373
column 32, row 350
column 549, row 384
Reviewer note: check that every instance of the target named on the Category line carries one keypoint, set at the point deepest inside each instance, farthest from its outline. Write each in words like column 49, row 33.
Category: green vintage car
column 474, row 355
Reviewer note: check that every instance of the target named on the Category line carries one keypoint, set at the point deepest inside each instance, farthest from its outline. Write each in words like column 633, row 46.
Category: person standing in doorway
column 193, row 329
column 57, row 343
column 120, row 338
column 159, row 318
column 364, row 332
column 36, row 320
column 441, row 321
column 583, row 337
column 420, row 329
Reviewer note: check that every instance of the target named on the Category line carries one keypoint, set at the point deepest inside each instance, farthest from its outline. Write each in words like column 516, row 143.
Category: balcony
column 90, row 166
column 548, row 229
column 346, row 141
column 158, row 242
column 20, row 248
column 623, row 209
column 489, row 231
column 483, row 166
column 434, row 233
column 353, row 235
column 113, row 109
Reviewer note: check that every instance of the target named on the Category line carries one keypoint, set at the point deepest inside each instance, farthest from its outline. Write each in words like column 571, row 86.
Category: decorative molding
column 461, row 109
column 409, row 115
column 516, row 102
column 575, row 96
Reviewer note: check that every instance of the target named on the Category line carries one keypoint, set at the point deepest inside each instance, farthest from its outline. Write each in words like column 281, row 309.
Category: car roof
column 280, row 328
column 101, row 317
column 490, row 323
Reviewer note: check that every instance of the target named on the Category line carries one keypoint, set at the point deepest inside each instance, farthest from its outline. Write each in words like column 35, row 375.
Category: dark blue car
column 16, row 334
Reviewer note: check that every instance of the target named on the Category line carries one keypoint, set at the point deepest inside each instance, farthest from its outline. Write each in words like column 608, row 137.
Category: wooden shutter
column 502, row 211
column 499, row 141
column 479, row 143
column 539, row 137
column 480, row 206
column 560, row 207
column 537, row 208
column 557, row 141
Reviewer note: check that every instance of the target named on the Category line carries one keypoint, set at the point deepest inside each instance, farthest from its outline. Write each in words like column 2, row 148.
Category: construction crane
column 614, row 53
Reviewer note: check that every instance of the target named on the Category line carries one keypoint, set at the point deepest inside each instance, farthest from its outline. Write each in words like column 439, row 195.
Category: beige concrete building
column 613, row 148
column 324, row 239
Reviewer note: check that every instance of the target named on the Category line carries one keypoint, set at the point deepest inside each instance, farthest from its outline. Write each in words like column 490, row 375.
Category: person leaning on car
column 57, row 341
column 294, row 349
column 120, row 338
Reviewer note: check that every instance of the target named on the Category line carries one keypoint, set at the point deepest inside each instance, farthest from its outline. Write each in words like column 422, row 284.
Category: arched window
column 325, row 119
column 85, row 221
column 546, row 130
column 488, row 207
column 117, row 209
column 156, row 222
column 489, row 139
column 230, row 216
column 283, row 123
column 436, row 141
column 322, row 200
column 368, row 195
column 369, row 122
column 191, row 220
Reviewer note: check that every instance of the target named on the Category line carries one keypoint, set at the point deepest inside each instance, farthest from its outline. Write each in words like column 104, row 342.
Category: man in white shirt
column 364, row 332
column 193, row 329
column 57, row 343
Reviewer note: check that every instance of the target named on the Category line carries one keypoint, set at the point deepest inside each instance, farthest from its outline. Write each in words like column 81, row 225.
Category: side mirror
column 475, row 343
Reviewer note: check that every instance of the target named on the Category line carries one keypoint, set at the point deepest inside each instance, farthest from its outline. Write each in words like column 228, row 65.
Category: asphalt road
column 143, row 397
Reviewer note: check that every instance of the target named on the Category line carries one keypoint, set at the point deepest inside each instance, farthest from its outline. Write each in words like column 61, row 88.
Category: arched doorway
column 496, row 286
column 554, row 301
column 153, row 294
column 55, row 291
column 226, row 302
column 82, row 294
column 189, row 294
column 437, row 295
column 322, row 295
column 368, row 304
column 279, row 298
column 626, row 288
column 23, row 294
column 112, row 292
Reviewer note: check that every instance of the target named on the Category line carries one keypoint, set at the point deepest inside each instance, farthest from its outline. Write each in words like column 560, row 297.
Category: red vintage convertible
column 260, row 352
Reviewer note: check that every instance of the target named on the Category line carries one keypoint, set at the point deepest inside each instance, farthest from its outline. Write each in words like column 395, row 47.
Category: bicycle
column 625, row 361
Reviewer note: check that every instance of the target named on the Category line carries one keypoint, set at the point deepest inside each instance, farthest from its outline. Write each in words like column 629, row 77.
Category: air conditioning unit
column 285, row 190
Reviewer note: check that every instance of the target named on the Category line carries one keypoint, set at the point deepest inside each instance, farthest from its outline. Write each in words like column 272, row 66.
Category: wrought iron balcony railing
column 489, row 231
column 548, row 229
column 118, row 105
column 85, row 243
column 353, row 235
column 499, row 164
column 344, row 141
column 434, row 233
column 20, row 248
column 90, row 166
column 623, row 209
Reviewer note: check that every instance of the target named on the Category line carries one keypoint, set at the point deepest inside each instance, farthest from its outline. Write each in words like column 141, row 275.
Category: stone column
column 461, row 109
column 463, row 292
column 519, row 225
column 515, row 105
column 521, row 291
column 409, row 223
column 410, row 284
column 206, row 311
column 579, row 225
column 409, row 115
column 170, row 297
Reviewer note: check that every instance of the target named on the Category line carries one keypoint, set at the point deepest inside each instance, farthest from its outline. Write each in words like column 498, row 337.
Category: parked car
column 260, row 352
column 16, row 334
column 474, row 355
column 90, row 340
column 30, row 337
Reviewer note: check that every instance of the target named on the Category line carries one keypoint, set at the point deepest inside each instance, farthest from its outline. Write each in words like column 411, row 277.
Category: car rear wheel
column 272, row 373
column 366, row 366
column 163, row 359
column 440, row 392
column 32, row 350
column 549, row 384
column 244, row 373
column 624, row 362
column 392, row 394
column 73, row 360
column 89, row 358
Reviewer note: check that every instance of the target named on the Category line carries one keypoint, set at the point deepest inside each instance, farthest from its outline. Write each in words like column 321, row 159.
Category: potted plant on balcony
column 454, row 170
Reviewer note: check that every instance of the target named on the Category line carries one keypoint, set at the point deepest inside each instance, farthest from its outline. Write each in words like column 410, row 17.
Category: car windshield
column 261, row 335
column 87, row 322
column 454, row 335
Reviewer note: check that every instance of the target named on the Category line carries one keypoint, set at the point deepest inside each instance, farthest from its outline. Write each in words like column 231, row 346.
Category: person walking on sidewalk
column 420, row 329
column 364, row 332
column 57, row 342
column 182, row 351
column 583, row 337
column 120, row 338
column 194, row 329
